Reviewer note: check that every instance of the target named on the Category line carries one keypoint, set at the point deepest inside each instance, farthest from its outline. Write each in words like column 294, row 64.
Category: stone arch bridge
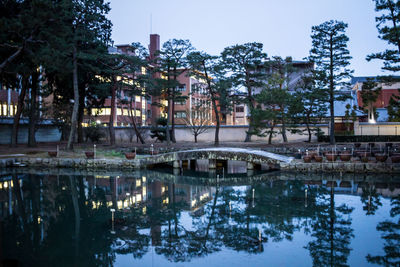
column 252, row 157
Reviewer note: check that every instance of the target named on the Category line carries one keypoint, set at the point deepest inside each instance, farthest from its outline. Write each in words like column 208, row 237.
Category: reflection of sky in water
column 285, row 253
column 278, row 205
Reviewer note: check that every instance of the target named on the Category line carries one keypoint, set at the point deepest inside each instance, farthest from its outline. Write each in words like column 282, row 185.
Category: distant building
column 139, row 109
column 190, row 87
column 381, row 104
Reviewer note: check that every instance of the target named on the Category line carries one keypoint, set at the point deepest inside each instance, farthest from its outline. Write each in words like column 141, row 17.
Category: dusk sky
column 284, row 26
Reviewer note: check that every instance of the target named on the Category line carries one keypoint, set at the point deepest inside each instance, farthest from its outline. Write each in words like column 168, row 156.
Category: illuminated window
column 137, row 98
column 180, row 114
column 11, row 110
column 181, row 88
column 102, row 111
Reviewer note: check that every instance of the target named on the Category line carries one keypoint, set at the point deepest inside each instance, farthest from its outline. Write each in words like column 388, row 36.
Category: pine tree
column 330, row 54
column 89, row 36
column 31, row 28
column 313, row 103
column 243, row 62
column 218, row 87
column 388, row 25
column 172, row 63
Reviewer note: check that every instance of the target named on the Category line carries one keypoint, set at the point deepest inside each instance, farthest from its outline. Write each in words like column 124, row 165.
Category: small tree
column 313, row 103
column 264, row 120
column 198, row 119
column 369, row 94
column 394, row 108
column 280, row 105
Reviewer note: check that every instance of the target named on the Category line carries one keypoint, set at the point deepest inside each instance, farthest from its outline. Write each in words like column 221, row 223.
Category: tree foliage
column 243, row 63
column 388, row 25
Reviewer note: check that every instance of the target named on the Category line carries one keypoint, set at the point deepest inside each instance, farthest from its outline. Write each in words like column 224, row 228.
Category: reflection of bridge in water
column 252, row 157
column 347, row 183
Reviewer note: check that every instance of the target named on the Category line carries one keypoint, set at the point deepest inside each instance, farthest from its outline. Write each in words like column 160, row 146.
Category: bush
column 159, row 131
column 94, row 132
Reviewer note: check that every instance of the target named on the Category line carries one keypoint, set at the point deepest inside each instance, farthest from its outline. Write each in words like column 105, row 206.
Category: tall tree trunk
column 20, row 107
column 173, row 119
column 173, row 139
column 309, row 132
column 76, row 98
column 167, row 132
column 331, row 97
column 271, row 133
column 283, row 130
column 33, row 112
column 81, row 110
column 217, row 120
column 112, row 114
column 214, row 104
column 138, row 134
column 251, row 126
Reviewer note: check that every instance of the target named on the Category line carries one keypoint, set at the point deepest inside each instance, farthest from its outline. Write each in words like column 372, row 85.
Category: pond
column 156, row 218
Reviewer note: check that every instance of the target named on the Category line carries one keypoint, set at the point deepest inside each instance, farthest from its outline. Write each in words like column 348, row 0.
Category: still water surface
column 161, row 219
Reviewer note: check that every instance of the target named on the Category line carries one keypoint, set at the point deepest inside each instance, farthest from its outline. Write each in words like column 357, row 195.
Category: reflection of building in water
column 194, row 196
column 121, row 192
column 162, row 195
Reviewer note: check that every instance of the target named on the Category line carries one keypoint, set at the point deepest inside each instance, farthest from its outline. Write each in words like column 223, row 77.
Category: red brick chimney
column 154, row 45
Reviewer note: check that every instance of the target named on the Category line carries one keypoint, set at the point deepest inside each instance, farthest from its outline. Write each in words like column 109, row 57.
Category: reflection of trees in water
column 77, row 231
column 331, row 228
column 176, row 242
column 51, row 234
column 391, row 235
column 370, row 198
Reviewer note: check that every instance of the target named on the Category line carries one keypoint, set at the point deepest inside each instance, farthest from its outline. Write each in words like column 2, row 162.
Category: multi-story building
column 8, row 102
column 128, row 108
column 190, row 88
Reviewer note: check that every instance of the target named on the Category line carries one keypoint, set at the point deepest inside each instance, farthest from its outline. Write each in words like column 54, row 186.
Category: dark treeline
column 60, row 49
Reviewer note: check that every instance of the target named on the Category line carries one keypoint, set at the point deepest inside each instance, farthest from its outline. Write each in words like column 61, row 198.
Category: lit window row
column 120, row 112
column 8, row 110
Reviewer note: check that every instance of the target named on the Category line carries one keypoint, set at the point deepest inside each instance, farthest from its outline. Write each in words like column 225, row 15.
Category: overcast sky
column 283, row 26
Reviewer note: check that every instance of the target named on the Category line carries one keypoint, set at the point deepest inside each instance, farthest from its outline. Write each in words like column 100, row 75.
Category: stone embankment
column 297, row 166
column 340, row 167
